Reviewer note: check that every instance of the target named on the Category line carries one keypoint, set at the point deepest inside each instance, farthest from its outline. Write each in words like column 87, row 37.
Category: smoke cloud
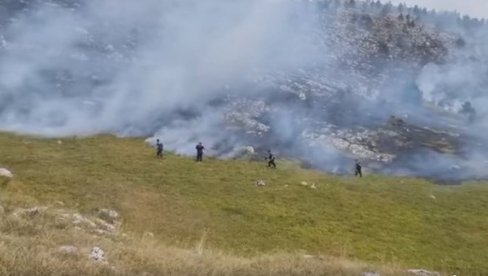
column 110, row 64
column 187, row 71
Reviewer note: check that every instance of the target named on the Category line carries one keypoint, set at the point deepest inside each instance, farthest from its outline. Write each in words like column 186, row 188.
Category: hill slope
column 314, row 80
column 405, row 222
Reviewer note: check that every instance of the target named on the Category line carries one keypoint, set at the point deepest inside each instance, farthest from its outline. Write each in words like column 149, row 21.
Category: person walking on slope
column 358, row 169
column 271, row 159
column 159, row 149
column 199, row 149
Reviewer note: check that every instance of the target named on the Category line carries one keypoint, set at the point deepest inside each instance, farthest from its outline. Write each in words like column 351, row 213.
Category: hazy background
column 158, row 69
column 475, row 8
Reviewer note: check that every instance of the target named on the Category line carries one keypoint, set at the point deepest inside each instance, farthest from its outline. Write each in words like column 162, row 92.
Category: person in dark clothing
column 358, row 170
column 199, row 149
column 271, row 160
column 159, row 149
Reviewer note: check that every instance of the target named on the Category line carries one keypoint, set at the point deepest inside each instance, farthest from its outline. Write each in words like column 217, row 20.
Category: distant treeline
column 443, row 20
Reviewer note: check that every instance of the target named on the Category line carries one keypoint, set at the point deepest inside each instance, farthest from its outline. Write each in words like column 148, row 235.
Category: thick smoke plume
column 233, row 74
column 119, row 65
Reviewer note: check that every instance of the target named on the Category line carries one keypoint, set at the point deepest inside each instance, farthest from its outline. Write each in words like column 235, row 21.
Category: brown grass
column 376, row 219
column 29, row 245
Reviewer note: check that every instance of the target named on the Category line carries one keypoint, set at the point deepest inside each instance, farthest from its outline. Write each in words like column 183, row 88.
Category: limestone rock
column 108, row 215
column 97, row 254
column 423, row 272
column 6, row 173
column 5, row 176
column 260, row 183
column 370, row 273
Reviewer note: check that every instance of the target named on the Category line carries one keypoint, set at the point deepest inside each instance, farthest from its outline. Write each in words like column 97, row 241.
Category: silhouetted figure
column 199, row 149
column 271, row 160
column 358, row 169
column 469, row 111
column 159, row 149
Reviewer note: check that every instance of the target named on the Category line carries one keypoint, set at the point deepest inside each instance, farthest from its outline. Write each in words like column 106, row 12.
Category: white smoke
column 154, row 57
column 153, row 67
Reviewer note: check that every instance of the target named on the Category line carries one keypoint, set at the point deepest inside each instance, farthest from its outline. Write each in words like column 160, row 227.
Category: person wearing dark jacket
column 358, row 169
column 159, row 149
column 199, row 149
column 271, row 159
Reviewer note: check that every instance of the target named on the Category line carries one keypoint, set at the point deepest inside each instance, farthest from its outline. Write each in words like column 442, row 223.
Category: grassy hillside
column 397, row 222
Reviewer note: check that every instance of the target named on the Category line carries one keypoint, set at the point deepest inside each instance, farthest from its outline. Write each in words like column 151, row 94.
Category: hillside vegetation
column 182, row 217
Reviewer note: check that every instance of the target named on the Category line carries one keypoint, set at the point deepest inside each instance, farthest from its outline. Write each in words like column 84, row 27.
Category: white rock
column 433, row 197
column 108, row 215
column 260, row 183
column 370, row 273
column 423, row 272
column 304, row 183
column 6, row 173
column 313, row 186
column 60, row 142
column 97, row 254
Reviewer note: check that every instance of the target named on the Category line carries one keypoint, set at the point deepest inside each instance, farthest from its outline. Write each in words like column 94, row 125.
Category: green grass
column 376, row 219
